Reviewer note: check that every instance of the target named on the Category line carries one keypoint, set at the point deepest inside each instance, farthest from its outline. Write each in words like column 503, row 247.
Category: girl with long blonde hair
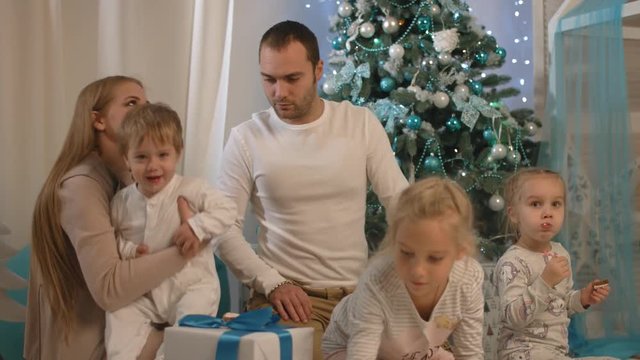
column 422, row 287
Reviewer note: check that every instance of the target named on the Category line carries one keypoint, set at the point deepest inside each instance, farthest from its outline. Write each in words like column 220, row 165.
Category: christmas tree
column 420, row 66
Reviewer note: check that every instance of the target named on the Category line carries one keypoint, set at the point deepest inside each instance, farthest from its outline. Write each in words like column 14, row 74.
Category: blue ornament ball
column 481, row 57
column 423, row 23
column 387, row 84
column 408, row 74
column 489, row 40
column 489, row 136
column 500, row 51
column 476, row 87
column 394, row 144
column 453, row 124
column 413, row 122
column 338, row 42
column 432, row 164
column 456, row 16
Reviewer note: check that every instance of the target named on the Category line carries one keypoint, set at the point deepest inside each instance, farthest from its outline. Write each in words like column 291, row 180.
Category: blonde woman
column 76, row 271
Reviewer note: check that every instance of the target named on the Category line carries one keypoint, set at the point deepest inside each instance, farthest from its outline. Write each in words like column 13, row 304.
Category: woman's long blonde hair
column 54, row 253
column 430, row 198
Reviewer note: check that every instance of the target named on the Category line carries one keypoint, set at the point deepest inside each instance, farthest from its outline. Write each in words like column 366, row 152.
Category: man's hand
column 291, row 303
column 557, row 269
column 184, row 238
column 590, row 296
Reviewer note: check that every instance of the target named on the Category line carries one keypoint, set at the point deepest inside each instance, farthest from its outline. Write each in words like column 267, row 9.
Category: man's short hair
column 283, row 33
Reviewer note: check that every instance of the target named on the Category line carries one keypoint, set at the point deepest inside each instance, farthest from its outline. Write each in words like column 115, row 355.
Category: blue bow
column 471, row 110
column 263, row 320
column 387, row 112
column 451, row 6
column 351, row 73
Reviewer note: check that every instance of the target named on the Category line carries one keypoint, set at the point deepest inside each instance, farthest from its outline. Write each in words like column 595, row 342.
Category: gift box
column 204, row 337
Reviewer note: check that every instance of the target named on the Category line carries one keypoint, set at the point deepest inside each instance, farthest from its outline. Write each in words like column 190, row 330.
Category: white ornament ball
column 329, row 87
column 345, row 9
column 440, row 99
column 367, row 30
column 498, row 152
column 531, row 128
column 396, row 51
column 462, row 91
column 390, row 25
column 445, row 58
column 496, row 202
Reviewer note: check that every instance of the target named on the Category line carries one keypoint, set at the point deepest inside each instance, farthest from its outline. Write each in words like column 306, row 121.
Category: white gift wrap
column 186, row 343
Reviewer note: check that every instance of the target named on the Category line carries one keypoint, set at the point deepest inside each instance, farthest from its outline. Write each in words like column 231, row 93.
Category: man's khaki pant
column 322, row 303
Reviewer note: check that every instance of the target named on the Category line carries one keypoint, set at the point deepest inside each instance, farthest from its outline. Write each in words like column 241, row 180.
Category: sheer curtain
column 587, row 119
column 51, row 49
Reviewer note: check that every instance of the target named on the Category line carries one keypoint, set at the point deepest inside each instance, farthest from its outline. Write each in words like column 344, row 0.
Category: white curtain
column 50, row 49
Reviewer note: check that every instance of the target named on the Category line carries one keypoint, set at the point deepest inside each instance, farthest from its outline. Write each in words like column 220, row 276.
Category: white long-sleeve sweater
column 307, row 184
column 380, row 321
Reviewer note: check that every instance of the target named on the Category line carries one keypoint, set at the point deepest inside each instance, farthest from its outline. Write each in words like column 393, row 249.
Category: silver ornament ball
column 390, row 25
column 445, row 58
column 367, row 30
column 345, row 9
column 440, row 99
column 498, row 152
column 462, row 91
column 513, row 157
column 496, row 202
column 329, row 87
column 531, row 128
column 396, row 51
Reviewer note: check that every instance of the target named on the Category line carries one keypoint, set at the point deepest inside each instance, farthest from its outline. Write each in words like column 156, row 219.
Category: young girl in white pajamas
column 533, row 276
column 421, row 289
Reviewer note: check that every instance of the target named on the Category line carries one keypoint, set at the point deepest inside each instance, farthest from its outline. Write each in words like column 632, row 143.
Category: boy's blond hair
column 157, row 121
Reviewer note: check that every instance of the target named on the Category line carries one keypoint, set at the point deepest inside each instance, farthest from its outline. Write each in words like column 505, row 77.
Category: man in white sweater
column 305, row 164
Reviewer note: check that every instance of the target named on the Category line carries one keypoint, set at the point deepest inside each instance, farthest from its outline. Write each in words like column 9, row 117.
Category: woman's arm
column 113, row 283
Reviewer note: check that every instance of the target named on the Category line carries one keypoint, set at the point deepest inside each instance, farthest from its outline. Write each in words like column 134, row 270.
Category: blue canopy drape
column 587, row 120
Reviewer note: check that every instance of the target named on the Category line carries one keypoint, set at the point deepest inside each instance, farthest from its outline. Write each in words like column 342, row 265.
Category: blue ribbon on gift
column 262, row 320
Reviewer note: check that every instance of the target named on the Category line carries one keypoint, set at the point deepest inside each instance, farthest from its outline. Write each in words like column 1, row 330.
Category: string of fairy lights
column 519, row 47
column 380, row 39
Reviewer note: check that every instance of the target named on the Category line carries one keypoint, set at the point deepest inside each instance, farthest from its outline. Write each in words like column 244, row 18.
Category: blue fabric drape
column 587, row 118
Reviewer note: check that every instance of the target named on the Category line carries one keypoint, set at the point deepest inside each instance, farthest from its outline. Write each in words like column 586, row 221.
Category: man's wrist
column 282, row 283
